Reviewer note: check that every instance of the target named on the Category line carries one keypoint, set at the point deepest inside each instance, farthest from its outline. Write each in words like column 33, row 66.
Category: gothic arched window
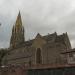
column 38, row 56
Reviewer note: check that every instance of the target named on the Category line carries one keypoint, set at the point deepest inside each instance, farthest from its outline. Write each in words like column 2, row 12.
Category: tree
column 2, row 54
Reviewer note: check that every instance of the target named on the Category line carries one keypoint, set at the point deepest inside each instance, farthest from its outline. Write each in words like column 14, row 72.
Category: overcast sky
column 43, row 16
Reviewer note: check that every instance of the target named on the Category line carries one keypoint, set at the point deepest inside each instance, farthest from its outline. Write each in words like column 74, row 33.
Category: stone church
column 40, row 50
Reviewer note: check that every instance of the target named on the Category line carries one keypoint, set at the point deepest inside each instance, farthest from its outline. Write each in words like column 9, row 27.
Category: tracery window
column 38, row 56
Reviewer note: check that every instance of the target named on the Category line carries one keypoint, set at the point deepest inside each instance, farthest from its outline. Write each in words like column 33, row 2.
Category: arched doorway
column 38, row 56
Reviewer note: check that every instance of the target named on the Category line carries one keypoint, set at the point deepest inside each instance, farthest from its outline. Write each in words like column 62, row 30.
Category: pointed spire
column 17, row 37
column 19, row 20
column 19, row 15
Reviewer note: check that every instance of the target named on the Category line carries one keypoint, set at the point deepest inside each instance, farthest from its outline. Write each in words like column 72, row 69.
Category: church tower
column 17, row 37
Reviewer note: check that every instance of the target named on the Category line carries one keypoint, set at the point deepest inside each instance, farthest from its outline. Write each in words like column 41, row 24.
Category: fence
column 65, row 69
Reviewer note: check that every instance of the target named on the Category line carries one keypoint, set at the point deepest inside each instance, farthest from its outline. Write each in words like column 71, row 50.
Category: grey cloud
column 43, row 16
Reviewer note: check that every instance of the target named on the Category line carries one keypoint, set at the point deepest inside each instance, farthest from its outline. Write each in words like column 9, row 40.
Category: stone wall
column 13, row 70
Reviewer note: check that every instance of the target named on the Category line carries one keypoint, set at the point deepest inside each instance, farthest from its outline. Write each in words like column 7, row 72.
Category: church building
column 40, row 50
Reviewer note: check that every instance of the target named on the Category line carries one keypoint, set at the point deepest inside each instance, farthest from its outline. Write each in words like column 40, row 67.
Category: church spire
column 17, row 37
column 19, row 20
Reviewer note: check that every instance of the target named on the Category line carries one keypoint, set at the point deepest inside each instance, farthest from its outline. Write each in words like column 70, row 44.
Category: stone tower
column 17, row 37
